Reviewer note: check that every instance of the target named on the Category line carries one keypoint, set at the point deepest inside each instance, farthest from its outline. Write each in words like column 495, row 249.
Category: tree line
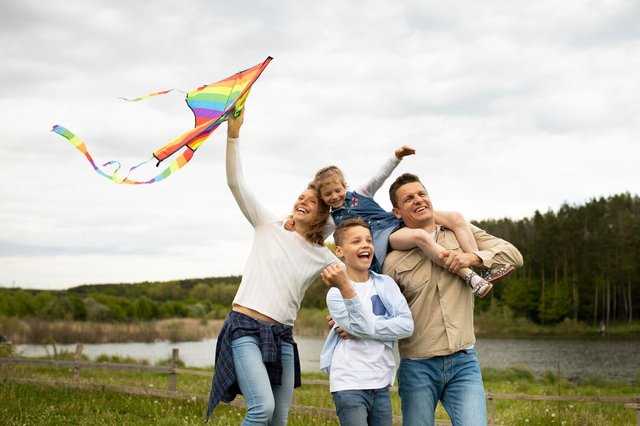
column 581, row 262
column 189, row 298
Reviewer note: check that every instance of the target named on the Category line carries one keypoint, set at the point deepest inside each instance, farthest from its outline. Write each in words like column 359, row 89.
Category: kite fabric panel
column 211, row 105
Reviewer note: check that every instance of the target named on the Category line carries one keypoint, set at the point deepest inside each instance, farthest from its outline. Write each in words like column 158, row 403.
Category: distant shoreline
column 34, row 331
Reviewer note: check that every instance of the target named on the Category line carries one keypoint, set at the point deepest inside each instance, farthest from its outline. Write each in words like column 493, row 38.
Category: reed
column 37, row 331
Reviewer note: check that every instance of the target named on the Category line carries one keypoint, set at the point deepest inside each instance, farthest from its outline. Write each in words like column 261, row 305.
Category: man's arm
column 493, row 250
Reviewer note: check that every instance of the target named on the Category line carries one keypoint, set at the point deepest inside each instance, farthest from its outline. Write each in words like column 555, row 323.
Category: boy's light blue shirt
column 348, row 314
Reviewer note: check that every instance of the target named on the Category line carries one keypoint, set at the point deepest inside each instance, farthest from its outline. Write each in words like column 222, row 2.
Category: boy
column 370, row 308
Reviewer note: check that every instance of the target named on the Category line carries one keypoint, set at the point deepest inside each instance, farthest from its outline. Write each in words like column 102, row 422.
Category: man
column 438, row 361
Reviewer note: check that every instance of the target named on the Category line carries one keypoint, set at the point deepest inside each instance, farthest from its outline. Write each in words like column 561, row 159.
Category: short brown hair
column 403, row 179
column 338, row 234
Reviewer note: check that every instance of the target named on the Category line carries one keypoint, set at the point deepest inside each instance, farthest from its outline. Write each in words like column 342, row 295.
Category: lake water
column 612, row 359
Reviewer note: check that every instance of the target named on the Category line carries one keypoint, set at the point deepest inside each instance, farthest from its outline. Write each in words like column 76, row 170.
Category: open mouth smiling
column 364, row 255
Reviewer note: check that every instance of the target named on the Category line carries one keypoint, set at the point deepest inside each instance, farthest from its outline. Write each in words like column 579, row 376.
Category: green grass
column 29, row 404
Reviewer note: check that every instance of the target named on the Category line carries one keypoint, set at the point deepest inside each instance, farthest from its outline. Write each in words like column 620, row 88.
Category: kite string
column 141, row 98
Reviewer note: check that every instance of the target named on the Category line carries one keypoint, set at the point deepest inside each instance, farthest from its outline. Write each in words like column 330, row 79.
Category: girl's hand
column 290, row 225
column 403, row 151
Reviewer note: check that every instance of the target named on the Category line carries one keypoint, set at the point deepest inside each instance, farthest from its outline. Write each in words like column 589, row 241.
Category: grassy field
column 31, row 404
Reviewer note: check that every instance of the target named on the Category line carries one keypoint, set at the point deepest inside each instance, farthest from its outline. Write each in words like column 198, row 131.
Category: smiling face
column 305, row 209
column 333, row 193
column 332, row 186
column 413, row 206
column 354, row 246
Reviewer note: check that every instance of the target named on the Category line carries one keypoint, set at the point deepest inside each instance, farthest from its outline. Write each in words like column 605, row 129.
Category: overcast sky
column 512, row 107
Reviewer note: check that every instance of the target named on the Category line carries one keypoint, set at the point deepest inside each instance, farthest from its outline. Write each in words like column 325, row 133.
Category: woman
column 255, row 351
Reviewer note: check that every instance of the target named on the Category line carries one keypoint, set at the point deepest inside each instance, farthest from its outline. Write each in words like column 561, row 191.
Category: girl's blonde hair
column 326, row 175
column 315, row 233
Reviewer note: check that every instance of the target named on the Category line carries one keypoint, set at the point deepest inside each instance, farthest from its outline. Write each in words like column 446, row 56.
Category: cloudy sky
column 513, row 107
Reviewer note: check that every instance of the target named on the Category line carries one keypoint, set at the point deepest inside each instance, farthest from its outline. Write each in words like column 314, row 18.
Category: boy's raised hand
column 403, row 151
column 336, row 276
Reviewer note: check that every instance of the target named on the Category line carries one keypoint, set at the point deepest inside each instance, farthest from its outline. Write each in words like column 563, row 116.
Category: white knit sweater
column 282, row 264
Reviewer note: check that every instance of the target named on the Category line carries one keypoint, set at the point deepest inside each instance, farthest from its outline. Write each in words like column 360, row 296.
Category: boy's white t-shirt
column 362, row 363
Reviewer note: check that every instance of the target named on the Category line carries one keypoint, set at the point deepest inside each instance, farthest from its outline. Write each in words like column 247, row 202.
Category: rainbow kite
column 211, row 105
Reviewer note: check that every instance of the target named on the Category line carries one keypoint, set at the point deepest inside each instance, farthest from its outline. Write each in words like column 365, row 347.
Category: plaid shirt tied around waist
column 224, row 386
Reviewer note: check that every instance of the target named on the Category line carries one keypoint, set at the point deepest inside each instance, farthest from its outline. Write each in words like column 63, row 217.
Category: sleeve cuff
column 352, row 304
column 485, row 257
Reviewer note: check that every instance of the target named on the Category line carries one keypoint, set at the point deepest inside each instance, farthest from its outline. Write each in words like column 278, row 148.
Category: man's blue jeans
column 453, row 379
column 266, row 405
column 364, row 407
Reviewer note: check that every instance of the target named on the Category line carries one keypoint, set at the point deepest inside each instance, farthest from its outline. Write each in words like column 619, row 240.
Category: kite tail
column 211, row 105
column 177, row 164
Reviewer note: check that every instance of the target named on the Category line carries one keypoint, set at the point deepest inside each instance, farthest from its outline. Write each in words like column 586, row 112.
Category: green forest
column 582, row 263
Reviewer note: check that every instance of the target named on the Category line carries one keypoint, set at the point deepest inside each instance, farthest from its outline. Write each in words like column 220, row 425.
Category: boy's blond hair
column 328, row 174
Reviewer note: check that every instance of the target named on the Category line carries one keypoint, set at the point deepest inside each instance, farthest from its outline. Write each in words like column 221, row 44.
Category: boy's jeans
column 453, row 379
column 265, row 405
column 364, row 407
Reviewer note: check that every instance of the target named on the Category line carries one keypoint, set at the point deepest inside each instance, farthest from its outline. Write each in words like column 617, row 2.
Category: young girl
column 255, row 351
column 386, row 229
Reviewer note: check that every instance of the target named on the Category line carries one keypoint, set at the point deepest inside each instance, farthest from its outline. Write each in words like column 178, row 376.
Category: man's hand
column 403, row 151
column 453, row 260
column 234, row 124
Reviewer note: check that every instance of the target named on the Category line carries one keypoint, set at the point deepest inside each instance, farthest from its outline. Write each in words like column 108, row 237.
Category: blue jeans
column 453, row 379
column 363, row 407
column 266, row 405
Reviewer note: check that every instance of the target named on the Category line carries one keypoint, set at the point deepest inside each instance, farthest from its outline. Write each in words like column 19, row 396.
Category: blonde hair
column 315, row 233
column 326, row 175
